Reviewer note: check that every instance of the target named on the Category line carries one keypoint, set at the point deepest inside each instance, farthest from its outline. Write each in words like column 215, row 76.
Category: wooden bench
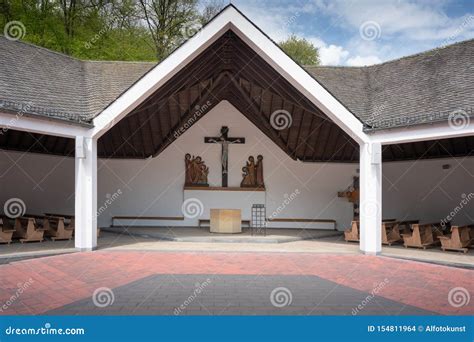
column 69, row 226
column 29, row 228
column 471, row 234
column 352, row 234
column 391, row 232
column 422, row 236
column 6, row 230
column 58, row 227
column 405, row 226
column 458, row 240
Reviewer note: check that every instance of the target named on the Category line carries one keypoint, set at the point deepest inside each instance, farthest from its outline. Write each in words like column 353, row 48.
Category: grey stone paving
column 237, row 295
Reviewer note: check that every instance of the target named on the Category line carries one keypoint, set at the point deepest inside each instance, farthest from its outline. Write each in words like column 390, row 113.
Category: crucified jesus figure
column 224, row 140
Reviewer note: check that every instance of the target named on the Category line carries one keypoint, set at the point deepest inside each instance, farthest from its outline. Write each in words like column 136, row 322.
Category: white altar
column 226, row 221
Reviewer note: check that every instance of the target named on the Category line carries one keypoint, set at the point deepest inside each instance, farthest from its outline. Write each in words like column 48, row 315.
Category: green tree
column 140, row 30
column 211, row 8
column 301, row 50
column 170, row 22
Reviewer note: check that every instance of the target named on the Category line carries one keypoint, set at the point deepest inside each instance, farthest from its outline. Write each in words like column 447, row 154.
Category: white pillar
column 86, row 194
column 370, row 198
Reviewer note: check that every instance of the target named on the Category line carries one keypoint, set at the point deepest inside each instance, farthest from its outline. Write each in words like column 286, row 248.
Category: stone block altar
column 226, row 221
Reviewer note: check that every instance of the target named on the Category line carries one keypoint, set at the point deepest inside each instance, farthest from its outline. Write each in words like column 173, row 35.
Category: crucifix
column 224, row 140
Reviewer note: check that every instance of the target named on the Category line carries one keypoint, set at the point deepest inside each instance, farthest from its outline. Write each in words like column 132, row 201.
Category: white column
column 86, row 194
column 370, row 198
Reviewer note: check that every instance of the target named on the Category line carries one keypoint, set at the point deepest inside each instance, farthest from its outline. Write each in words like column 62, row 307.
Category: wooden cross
column 224, row 140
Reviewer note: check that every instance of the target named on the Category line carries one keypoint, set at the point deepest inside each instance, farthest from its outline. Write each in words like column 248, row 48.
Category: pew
column 29, row 228
column 352, row 234
column 422, row 236
column 458, row 240
column 471, row 234
column 391, row 233
column 58, row 227
column 405, row 226
column 6, row 230
column 72, row 222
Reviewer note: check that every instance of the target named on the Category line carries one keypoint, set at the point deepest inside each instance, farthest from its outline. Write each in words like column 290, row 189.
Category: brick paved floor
column 158, row 282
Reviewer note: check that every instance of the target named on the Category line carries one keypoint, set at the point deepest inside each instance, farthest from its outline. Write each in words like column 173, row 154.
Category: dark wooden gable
column 228, row 70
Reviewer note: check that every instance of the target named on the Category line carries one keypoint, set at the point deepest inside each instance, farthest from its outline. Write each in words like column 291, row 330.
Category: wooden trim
column 219, row 188
column 300, row 220
column 166, row 218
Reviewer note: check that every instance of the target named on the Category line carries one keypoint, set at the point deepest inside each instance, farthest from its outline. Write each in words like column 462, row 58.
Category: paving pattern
column 236, row 294
column 150, row 282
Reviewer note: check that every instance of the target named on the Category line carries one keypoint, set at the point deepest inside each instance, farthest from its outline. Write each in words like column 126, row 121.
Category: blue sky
column 364, row 32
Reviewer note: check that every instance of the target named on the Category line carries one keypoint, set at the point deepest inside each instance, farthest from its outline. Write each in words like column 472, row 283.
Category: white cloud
column 406, row 27
column 414, row 20
column 363, row 61
column 333, row 55
column 276, row 21
column 279, row 24
column 329, row 54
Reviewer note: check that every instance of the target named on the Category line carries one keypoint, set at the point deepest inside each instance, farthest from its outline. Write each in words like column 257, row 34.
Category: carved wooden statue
column 203, row 174
column 252, row 176
column 251, row 170
column 196, row 171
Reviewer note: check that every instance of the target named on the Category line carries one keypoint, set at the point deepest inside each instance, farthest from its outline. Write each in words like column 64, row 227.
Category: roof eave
column 33, row 115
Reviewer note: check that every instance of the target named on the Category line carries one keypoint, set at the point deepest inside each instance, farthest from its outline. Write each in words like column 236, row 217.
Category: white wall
column 154, row 187
column 423, row 190
column 158, row 182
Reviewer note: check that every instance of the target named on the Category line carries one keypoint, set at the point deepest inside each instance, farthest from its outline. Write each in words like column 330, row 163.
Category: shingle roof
column 422, row 88
column 105, row 81
column 349, row 85
column 39, row 81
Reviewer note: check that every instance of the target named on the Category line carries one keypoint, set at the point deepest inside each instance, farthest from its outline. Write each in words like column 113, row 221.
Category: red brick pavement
column 60, row 280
